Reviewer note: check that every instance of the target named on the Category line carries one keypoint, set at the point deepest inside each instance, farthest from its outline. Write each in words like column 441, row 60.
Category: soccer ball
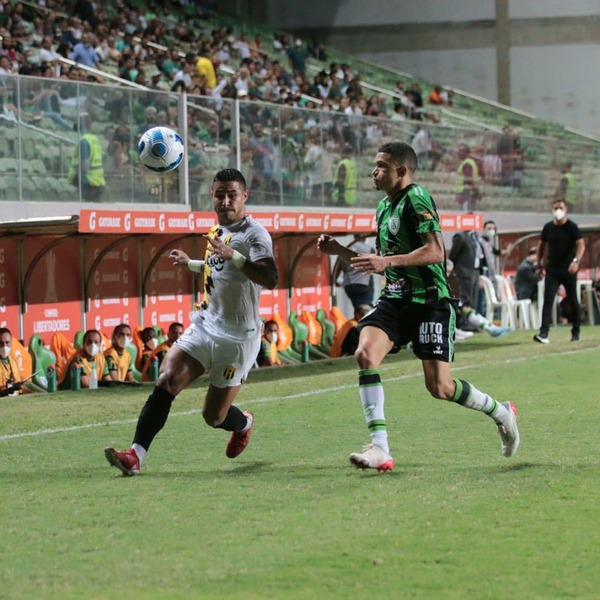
column 160, row 149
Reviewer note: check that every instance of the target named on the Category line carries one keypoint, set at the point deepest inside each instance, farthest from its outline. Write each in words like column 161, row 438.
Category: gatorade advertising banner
column 310, row 279
column 9, row 286
column 113, row 293
column 168, row 289
column 53, row 291
column 127, row 222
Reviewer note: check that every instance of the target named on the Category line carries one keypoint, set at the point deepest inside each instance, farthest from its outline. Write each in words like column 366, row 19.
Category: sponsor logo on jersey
column 426, row 215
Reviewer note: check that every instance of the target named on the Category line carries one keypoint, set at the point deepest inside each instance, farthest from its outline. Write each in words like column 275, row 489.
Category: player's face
column 385, row 174
column 229, row 201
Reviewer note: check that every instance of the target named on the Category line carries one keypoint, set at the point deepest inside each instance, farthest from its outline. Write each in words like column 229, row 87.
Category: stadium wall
column 536, row 56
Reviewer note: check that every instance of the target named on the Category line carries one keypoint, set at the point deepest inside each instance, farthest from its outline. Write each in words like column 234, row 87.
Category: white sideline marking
column 337, row 388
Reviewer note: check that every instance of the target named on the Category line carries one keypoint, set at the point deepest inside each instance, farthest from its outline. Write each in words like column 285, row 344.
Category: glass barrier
column 291, row 156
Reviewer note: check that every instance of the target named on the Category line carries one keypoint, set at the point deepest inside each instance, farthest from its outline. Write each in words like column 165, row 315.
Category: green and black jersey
column 401, row 220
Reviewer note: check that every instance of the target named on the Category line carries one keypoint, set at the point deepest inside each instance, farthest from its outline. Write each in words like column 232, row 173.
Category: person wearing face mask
column 565, row 247
column 84, row 358
column 150, row 340
column 487, row 266
column 267, row 355
column 10, row 377
column 118, row 358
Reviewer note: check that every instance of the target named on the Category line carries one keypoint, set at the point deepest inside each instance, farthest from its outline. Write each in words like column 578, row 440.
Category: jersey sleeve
column 426, row 219
column 259, row 244
column 544, row 235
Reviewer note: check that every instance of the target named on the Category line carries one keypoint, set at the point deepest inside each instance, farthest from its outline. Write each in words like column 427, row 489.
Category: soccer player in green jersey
column 416, row 305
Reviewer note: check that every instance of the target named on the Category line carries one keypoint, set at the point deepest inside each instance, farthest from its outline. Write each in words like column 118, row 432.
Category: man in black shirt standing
column 565, row 250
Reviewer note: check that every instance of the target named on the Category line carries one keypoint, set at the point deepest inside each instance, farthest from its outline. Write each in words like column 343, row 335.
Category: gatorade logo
column 127, row 221
column 161, row 221
column 92, row 221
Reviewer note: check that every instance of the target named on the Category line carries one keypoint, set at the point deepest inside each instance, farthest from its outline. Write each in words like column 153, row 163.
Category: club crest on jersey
column 229, row 372
column 394, row 224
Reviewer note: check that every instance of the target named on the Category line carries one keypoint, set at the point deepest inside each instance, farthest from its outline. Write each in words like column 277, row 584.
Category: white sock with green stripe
column 372, row 398
column 477, row 320
column 469, row 396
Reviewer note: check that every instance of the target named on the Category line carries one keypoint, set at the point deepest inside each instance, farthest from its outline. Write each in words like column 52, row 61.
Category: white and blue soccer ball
column 160, row 149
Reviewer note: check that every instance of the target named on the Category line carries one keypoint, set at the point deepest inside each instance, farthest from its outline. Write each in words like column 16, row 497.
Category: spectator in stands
column 84, row 52
column 318, row 162
column 267, row 355
column 358, row 285
column 567, row 187
column 173, row 334
column 118, row 358
column 435, row 97
column 263, row 157
column 84, row 359
column 528, row 277
column 298, row 55
column 345, row 339
column 345, row 179
column 505, row 147
column 11, row 383
column 89, row 176
column 564, row 242
column 468, row 180
column 423, row 145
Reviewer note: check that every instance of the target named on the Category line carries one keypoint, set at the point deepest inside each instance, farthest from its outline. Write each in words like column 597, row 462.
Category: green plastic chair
column 42, row 358
column 132, row 349
column 328, row 329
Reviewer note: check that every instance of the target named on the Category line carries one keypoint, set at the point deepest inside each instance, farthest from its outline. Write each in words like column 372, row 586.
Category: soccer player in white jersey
column 224, row 336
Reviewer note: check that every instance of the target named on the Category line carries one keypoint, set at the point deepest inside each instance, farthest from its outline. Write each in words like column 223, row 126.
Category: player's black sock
column 153, row 416
column 235, row 420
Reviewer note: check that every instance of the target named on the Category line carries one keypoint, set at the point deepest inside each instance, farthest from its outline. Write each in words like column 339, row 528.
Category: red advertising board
column 310, row 284
column 9, row 286
column 113, row 293
column 168, row 292
column 118, row 221
column 53, row 292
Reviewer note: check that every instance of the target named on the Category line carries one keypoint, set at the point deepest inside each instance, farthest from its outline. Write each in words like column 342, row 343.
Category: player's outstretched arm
column 329, row 245
column 263, row 271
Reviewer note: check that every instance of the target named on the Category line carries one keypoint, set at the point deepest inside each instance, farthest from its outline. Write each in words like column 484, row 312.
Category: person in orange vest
column 345, row 340
column 174, row 333
column 10, row 377
column 267, row 355
column 150, row 341
column 85, row 357
column 118, row 358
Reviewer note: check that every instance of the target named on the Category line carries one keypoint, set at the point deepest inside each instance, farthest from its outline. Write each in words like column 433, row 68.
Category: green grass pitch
column 290, row 518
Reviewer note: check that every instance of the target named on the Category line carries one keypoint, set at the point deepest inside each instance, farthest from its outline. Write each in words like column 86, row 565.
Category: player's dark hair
column 489, row 223
column 173, row 325
column 89, row 332
column 230, row 175
column 5, row 330
column 271, row 322
column 147, row 333
column 120, row 328
column 402, row 154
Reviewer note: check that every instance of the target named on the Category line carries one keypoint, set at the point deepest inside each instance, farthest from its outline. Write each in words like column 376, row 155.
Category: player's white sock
column 140, row 451
column 372, row 399
column 477, row 320
column 469, row 396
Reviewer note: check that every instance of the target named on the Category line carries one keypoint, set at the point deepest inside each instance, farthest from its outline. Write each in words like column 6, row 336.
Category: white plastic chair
column 522, row 309
column 507, row 311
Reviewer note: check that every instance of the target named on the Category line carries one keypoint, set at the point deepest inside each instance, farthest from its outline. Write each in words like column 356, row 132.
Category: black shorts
column 429, row 327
